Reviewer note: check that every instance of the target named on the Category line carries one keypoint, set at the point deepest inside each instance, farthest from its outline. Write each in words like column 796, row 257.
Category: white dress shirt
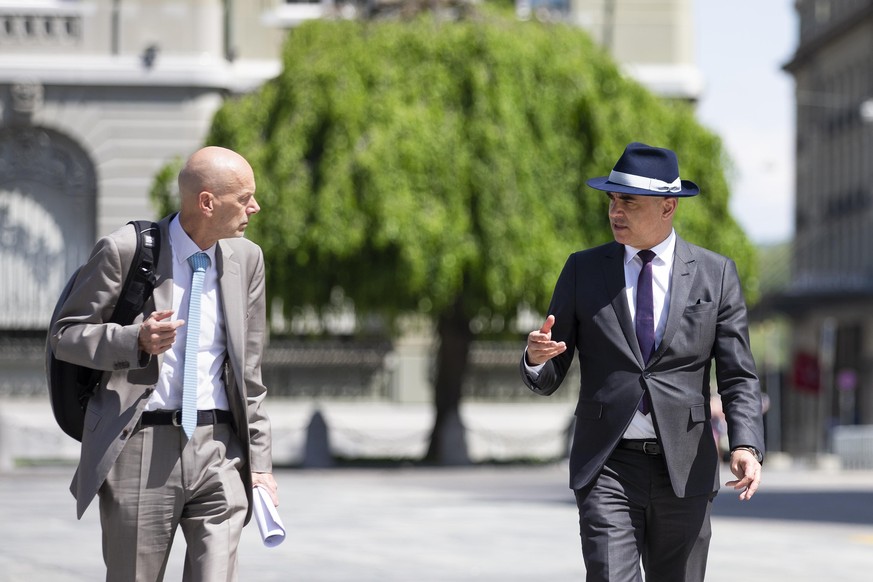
column 210, row 359
column 641, row 426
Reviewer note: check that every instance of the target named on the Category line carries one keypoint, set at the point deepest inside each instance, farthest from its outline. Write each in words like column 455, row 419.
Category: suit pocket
column 698, row 326
column 589, row 409
column 698, row 413
column 701, row 306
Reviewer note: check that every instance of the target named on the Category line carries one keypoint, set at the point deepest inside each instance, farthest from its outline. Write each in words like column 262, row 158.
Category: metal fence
column 327, row 369
column 853, row 444
column 321, row 369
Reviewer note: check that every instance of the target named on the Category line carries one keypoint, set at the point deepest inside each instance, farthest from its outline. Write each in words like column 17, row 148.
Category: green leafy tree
column 164, row 193
column 438, row 167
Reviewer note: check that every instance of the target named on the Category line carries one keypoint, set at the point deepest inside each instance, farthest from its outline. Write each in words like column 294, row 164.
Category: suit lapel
column 232, row 303
column 684, row 268
column 163, row 293
column 615, row 283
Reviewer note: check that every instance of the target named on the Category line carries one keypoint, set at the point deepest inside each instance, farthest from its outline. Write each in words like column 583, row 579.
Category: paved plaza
column 481, row 523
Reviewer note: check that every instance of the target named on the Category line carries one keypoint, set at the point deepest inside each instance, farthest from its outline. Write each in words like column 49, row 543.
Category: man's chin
column 238, row 233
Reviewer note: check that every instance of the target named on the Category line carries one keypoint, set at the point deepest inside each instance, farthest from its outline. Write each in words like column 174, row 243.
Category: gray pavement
column 482, row 523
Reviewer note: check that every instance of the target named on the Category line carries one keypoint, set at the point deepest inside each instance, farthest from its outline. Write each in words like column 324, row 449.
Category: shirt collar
column 182, row 245
column 663, row 250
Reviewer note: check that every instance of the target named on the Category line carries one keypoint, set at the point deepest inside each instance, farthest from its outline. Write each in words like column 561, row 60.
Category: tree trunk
column 448, row 444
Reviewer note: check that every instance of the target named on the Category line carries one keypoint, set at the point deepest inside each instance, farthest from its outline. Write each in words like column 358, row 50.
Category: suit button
column 124, row 434
column 149, row 391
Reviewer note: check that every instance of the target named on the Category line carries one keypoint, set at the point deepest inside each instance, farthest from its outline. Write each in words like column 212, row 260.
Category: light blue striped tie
column 199, row 263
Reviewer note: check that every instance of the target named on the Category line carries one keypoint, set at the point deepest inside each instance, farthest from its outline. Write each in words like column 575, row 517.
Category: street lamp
column 866, row 110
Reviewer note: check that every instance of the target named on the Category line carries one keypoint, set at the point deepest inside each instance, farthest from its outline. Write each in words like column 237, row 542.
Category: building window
column 17, row 27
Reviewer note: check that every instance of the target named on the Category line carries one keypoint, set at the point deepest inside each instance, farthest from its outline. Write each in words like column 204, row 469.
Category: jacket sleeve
column 735, row 368
column 82, row 333
column 563, row 307
column 260, row 439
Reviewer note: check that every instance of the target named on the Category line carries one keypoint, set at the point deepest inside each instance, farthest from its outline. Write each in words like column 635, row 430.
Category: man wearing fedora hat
column 648, row 314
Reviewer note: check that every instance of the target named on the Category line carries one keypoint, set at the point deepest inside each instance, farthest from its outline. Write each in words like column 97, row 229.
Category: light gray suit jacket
column 82, row 336
column 706, row 323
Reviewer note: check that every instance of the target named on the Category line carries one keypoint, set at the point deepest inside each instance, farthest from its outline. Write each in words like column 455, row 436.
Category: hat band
column 652, row 184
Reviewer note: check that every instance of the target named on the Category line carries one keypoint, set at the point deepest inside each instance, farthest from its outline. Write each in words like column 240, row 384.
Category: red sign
column 806, row 374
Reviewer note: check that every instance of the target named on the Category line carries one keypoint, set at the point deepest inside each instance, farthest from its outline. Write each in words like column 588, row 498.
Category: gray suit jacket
column 706, row 323
column 81, row 336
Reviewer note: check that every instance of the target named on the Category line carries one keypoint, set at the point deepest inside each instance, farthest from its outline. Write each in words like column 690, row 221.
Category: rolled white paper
column 269, row 522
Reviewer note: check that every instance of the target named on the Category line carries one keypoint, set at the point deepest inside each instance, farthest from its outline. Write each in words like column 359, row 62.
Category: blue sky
column 749, row 101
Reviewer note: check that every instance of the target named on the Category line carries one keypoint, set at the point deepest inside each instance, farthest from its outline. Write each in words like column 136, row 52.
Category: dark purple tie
column 645, row 318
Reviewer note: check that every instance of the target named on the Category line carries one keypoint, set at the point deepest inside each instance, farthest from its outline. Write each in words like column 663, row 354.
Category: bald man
column 152, row 469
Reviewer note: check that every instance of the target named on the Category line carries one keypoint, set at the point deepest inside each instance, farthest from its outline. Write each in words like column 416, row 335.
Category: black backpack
column 71, row 386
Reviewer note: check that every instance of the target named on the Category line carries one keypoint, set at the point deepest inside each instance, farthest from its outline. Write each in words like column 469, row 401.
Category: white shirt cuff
column 532, row 371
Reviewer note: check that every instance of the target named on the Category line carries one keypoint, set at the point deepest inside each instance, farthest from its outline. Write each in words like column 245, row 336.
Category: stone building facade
column 97, row 95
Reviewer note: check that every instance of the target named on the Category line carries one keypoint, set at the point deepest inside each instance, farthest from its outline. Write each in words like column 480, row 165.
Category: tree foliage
column 164, row 192
column 439, row 167
column 416, row 163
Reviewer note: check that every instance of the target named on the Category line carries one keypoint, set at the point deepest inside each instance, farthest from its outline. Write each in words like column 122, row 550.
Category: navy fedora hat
column 644, row 170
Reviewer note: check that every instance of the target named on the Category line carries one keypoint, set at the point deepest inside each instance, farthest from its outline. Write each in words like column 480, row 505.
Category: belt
column 174, row 417
column 647, row 447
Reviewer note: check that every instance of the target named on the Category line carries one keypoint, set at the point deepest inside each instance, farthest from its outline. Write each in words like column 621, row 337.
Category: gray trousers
column 630, row 515
column 161, row 481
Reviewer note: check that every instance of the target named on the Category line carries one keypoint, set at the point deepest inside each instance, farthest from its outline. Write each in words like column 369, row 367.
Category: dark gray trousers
column 630, row 515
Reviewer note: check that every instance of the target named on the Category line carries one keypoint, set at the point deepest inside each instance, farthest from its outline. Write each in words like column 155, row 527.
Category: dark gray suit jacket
column 82, row 336
column 706, row 323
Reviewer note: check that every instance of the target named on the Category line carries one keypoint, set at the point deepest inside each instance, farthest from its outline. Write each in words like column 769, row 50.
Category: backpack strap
column 140, row 280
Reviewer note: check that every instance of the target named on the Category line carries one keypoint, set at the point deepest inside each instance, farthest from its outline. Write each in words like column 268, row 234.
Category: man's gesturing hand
column 540, row 347
column 156, row 335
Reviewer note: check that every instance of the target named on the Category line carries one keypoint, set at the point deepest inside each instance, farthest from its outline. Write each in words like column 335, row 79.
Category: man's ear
column 669, row 207
column 206, row 202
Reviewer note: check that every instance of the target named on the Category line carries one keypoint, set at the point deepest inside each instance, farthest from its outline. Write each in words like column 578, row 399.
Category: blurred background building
column 829, row 298
column 653, row 41
column 95, row 97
